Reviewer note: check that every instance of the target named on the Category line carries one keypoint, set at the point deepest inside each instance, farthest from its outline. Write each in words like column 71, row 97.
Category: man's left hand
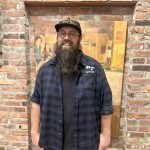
column 104, row 141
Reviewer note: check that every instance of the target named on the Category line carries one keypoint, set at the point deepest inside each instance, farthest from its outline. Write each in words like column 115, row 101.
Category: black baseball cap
column 68, row 22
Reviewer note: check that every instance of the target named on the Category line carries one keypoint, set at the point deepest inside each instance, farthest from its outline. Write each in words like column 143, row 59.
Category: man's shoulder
column 47, row 65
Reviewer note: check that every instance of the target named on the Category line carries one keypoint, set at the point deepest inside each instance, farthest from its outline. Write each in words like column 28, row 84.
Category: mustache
column 67, row 41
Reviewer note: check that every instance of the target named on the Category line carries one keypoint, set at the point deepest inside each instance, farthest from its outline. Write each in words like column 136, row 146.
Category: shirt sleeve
column 37, row 90
column 106, row 107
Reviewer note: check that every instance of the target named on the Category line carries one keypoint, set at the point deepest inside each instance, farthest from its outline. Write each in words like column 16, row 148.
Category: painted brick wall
column 19, row 70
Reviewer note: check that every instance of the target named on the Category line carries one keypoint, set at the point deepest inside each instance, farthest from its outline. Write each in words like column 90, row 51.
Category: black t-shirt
column 68, row 84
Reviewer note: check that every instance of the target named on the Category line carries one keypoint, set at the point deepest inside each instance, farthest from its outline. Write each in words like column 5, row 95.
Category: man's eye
column 62, row 34
column 72, row 34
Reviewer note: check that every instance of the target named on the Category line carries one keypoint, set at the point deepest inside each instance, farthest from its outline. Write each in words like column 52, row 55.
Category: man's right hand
column 35, row 141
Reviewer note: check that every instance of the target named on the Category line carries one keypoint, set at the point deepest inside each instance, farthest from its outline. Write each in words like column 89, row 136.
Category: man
column 72, row 101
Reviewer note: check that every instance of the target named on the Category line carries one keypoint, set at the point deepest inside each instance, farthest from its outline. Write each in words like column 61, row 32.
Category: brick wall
column 1, row 36
column 14, row 79
column 137, row 104
column 18, row 72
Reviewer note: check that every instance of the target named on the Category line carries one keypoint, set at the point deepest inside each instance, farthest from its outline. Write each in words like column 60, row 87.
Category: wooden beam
column 78, row 3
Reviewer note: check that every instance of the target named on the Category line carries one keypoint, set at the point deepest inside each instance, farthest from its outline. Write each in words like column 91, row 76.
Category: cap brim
column 58, row 26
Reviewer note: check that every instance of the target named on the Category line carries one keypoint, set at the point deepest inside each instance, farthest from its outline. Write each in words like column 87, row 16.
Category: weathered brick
column 138, row 29
column 21, row 97
column 141, row 68
column 141, row 15
column 136, row 134
column 138, row 115
column 20, row 133
column 139, row 60
column 144, row 129
column 145, row 122
column 138, row 102
column 17, row 109
column 142, row 22
column 11, row 36
column 137, row 45
column 4, row 114
column 140, row 54
column 15, row 43
column 14, row 13
column 147, row 45
column 111, row 18
column 9, row 6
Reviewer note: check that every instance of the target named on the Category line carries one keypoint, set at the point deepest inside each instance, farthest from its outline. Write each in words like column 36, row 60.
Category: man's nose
column 66, row 36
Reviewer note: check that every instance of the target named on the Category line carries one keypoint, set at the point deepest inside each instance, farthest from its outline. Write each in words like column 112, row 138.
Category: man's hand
column 35, row 141
column 105, row 135
column 104, row 141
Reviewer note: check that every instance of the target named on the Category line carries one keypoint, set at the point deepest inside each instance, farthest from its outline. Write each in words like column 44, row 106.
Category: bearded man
column 72, row 100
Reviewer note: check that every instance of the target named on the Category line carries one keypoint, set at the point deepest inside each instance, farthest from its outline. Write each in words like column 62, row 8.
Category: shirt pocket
column 86, row 86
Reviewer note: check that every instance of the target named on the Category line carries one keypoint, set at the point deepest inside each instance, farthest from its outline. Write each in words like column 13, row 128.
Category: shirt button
column 59, row 133
column 59, row 120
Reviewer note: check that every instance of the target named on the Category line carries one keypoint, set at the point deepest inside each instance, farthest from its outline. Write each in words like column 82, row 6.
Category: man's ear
column 81, row 38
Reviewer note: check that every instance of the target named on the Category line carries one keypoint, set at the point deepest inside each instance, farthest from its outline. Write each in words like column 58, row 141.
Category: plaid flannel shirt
column 93, row 98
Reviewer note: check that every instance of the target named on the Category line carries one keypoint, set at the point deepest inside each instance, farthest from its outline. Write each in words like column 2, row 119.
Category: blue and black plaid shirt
column 93, row 98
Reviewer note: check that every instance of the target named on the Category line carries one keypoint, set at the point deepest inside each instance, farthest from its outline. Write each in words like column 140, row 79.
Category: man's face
column 68, row 38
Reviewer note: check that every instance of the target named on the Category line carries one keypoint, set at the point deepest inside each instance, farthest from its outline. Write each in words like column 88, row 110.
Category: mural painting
column 104, row 41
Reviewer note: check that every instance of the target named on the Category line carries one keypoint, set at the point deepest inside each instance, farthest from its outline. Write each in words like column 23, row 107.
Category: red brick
column 11, row 88
column 131, row 128
column 144, row 129
column 18, row 109
column 138, row 115
column 11, row 20
column 9, row 6
column 145, row 88
column 145, row 122
column 20, row 133
column 138, row 102
column 136, row 134
column 15, row 43
column 4, row 114
column 22, row 115
column 4, row 108
column 143, row 8
column 12, row 103
column 139, row 60
column 12, row 28
column 136, row 45
column 21, row 97
column 7, row 96
column 14, row 13
column 11, row 36
column 18, row 63
column 13, row 138
column 147, row 45
column 19, row 121
column 132, row 140
column 111, row 18
column 141, row 15
column 23, row 82
column 17, row 76
column 132, row 122
column 145, row 109
column 147, row 31
column 138, row 29
column 15, row 56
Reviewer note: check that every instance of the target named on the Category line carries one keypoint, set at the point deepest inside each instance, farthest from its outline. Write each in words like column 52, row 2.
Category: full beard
column 67, row 60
